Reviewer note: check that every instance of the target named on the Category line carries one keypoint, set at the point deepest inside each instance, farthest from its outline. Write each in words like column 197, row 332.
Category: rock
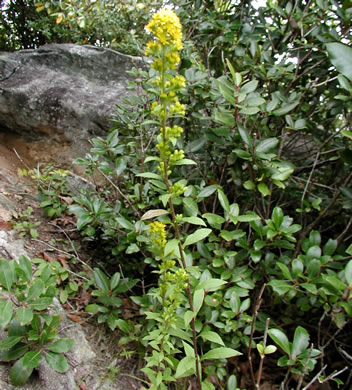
column 64, row 91
column 10, row 245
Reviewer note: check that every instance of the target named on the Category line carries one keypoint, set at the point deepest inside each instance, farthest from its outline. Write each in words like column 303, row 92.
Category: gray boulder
column 64, row 91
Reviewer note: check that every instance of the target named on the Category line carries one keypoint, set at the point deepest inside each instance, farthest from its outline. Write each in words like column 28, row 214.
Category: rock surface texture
column 64, row 91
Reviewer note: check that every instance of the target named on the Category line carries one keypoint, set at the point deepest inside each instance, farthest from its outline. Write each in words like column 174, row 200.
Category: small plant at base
column 32, row 331
column 53, row 192
column 26, row 226
column 107, row 292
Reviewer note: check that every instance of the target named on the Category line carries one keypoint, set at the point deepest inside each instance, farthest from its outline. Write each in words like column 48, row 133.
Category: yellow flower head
column 158, row 235
column 166, row 27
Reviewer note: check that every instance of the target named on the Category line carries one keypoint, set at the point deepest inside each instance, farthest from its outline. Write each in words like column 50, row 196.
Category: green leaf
column 101, row 280
column 269, row 349
column 9, row 342
column 26, row 266
column 249, row 110
column 266, row 145
column 249, row 185
column 220, row 353
column 198, row 298
column 198, row 235
column 280, row 339
column 300, row 342
column 185, row 161
column 285, row 271
column 24, row 315
column 194, row 221
column 32, row 359
column 214, row 220
column 172, row 247
column 41, row 303
column 254, row 101
column 14, row 353
column 248, row 217
column 236, row 76
column 114, row 282
column 153, row 214
column 126, row 224
column 150, row 175
column 186, row 367
column 36, row 289
column 232, row 383
column 232, row 235
column 61, row 345
column 210, row 284
column 263, row 189
column 211, row 336
column 188, row 317
column 19, row 373
column 246, row 138
column 349, row 250
column 249, row 87
column 57, row 362
column 207, row 191
column 84, row 220
column 335, row 282
column 330, row 247
column 341, row 57
column 6, row 312
column 280, row 286
column 285, row 108
column 348, row 273
column 7, row 274
column 227, row 118
column 223, row 201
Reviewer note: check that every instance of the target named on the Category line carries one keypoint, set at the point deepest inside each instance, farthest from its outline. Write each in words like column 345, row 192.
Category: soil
column 55, row 238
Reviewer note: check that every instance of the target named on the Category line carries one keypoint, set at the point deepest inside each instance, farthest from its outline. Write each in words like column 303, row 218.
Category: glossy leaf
column 32, row 359
column 186, row 367
column 211, row 336
column 300, row 342
column 341, row 57
column 19, row 373
column 220, row 353
column 280, row 339
column 6, row 312
column 7, row 274
column 36, row 289
column 348, row 273
column 101, row 280
column 211, row 284
column 266, row 145
column 24, row 315
column 198, row 235
column 61, row 345
column 9, row 342
column 57, row 362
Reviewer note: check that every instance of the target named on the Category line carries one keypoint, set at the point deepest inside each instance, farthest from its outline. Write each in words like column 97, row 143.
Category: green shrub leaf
column 280, row 339
column 19, row 373
column 198, row 235
column 220, row 353
column 57, row 362
column 61, row 345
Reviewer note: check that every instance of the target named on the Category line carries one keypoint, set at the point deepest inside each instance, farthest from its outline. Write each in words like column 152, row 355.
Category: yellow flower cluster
column 158, row 235
column 166, row 27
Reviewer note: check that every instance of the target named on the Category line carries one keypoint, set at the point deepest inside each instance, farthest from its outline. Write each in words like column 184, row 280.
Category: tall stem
column 175, row 224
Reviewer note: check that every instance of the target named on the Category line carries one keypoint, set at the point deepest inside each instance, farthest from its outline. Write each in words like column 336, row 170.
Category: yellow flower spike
column 158, row 235
column 166, row 27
